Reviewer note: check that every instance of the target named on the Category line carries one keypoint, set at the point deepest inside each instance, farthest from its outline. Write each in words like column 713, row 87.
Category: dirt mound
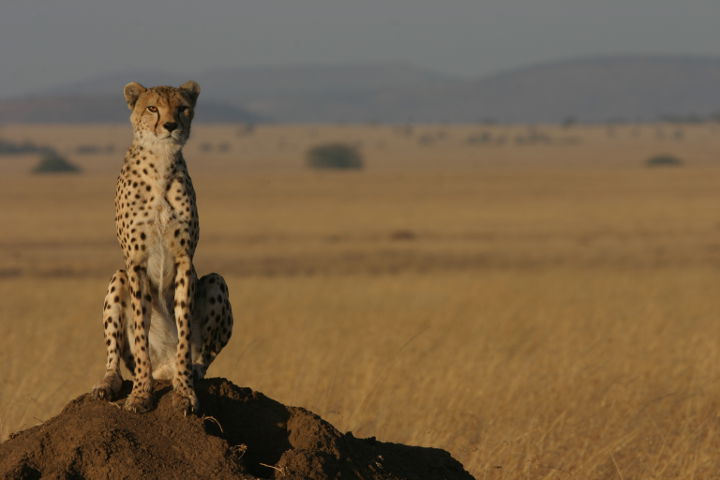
column 242, row 434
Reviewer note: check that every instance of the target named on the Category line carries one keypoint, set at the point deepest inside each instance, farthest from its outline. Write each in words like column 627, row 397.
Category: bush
column 335, row 155
column 8, row 147
column 52, row 162
column 479, row 138
column 426, row 139
column 88, row 149
column 663, row 160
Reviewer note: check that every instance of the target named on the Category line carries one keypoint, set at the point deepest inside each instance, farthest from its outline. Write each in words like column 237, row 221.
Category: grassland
column 541, row 309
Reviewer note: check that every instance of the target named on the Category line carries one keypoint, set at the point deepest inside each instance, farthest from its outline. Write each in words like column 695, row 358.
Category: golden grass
column 543, row 311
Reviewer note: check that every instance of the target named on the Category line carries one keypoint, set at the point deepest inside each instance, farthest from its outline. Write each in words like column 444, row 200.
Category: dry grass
column 543, row 311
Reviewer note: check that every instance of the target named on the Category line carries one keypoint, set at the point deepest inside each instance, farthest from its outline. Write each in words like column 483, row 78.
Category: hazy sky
column 51, row 42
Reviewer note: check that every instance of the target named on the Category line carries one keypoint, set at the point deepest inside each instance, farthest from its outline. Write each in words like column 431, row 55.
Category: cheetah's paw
column 108, row 389
column 186, row 402
column 139, row 402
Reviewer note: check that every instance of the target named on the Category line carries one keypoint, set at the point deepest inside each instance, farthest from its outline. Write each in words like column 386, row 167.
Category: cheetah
column 163, row 321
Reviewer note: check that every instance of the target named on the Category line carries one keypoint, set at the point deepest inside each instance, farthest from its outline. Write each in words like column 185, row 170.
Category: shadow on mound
column 242, row 434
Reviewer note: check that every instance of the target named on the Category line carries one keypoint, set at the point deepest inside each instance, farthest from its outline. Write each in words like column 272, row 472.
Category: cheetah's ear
column 132, row 91
column 192, row 89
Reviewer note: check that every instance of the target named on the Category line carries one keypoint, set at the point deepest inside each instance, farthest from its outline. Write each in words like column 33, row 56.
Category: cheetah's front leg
column 114, row 322
column 184, row 294
column 140, row 399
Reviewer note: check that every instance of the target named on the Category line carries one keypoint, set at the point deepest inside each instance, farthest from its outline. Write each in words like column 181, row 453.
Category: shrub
column 426, row 139
column 335, row 155
column 8, row 147
column 87, row 149
column 479, row 138
column 52, row 162
column 663, row 160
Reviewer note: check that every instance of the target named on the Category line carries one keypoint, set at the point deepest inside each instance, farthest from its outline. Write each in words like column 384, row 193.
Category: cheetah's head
column 162, row 114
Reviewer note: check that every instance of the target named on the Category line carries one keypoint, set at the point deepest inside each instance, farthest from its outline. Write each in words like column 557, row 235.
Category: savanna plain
column 538, row 301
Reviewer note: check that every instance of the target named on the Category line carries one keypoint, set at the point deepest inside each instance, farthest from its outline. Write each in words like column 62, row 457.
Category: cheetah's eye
column 152, row 108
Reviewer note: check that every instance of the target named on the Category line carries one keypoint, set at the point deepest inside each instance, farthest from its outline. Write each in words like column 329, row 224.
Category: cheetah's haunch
column 158, row 316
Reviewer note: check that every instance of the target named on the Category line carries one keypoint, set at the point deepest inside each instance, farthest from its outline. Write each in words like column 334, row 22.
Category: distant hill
column 317, row 93
column 597, row 89
column 630, row 88
column 101, row 109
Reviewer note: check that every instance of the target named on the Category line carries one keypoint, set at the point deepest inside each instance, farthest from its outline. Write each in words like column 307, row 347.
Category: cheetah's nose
column 170, row 126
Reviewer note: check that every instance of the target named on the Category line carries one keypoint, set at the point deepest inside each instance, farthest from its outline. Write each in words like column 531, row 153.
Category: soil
column 240, row 434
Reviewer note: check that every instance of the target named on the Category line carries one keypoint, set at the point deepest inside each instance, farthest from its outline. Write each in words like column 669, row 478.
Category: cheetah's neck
column 157, row 161
column 156, row 165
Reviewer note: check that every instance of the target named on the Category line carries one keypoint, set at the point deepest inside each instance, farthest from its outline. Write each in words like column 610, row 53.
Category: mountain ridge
column 589, row 89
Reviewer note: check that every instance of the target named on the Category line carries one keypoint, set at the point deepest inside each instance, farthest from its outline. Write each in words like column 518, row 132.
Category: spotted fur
column 162, row 320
